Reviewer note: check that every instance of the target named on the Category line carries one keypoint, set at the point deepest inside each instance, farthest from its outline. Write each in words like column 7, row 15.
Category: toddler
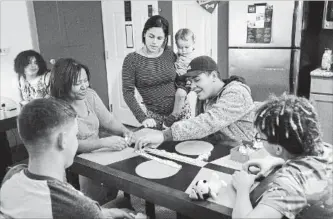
column 185, row 41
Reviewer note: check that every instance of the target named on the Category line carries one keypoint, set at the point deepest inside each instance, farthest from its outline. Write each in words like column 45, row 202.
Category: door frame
column 213, row 53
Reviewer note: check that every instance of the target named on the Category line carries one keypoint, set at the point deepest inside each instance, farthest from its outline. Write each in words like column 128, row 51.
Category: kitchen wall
column 16, row 36
column 165, row 8
column 18, row 33
column 314, row 41
column 222, row 40
column 324, row 37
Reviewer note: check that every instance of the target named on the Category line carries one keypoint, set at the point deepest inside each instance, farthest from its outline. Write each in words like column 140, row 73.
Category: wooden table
column 168, row 192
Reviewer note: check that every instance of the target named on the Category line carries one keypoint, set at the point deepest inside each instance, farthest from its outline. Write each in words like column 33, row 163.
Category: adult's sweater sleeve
column 230, row 107
column 128, row 79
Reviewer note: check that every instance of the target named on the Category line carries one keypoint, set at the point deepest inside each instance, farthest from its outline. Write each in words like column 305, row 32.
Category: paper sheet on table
column 106, row 157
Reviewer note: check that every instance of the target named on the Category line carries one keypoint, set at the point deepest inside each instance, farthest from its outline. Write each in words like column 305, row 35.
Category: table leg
column 150, row 210
column 5, row 155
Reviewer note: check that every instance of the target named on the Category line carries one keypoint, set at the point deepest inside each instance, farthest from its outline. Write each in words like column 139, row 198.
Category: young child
column 185, row 41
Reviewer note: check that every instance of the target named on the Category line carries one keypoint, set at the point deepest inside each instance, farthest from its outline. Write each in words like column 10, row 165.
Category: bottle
column 326, row 60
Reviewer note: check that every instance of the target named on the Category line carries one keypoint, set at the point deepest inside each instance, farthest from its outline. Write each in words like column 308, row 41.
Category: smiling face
column 32, row 68
column 202, row 85
column 79, row 89
column 154, row 39
column 185, row 47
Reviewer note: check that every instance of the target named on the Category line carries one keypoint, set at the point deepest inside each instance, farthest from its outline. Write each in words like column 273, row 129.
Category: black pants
column 5, row 155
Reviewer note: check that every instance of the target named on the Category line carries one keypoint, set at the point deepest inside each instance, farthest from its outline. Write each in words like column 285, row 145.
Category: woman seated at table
column 70, row 82
column 302, row 188
column 33, row 76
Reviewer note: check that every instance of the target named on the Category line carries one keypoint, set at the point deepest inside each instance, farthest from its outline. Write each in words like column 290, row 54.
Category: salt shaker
column 327, row 60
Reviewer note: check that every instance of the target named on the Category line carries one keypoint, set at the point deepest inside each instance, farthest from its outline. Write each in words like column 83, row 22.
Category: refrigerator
column 264, row 45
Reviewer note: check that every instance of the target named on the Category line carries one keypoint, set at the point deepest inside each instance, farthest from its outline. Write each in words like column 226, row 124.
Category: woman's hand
column 260, row 167
column 148, row 138
column 115, row 143
column 129, row 138
column 149, row 123
column 242, row 180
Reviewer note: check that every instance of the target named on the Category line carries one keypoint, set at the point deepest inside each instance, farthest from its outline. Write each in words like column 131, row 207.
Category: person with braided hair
column 302, row 188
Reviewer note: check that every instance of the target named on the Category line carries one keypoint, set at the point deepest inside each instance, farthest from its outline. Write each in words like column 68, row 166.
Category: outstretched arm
column 128, row 80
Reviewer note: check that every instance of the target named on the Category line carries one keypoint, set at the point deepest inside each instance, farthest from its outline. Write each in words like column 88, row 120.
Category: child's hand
column 242, row 180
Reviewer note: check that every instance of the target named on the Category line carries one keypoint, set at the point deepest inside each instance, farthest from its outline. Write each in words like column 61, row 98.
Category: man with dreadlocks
column 302, row 188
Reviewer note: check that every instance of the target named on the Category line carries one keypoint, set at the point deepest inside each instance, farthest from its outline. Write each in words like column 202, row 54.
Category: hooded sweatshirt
column 228, row 115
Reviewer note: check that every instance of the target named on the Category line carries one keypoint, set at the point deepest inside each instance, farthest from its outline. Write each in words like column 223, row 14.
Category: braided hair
column 291, row 122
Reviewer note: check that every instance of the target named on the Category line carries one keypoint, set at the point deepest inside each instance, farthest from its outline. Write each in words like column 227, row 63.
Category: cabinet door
column 324, row 106
column 74, row 29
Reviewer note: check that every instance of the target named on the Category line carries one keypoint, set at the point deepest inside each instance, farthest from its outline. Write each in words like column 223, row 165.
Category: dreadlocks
column 291, row 122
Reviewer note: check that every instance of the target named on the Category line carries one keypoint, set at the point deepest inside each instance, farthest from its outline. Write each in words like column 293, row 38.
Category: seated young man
column 225, row 108
column 48, row 129
column 302, row 188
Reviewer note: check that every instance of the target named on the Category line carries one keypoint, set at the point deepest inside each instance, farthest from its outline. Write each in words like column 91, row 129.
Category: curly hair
column 156, row 21
column 291, row 122
column 22, row 60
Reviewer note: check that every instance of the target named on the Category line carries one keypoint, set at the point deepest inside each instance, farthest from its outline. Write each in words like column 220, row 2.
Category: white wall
column 16, row 35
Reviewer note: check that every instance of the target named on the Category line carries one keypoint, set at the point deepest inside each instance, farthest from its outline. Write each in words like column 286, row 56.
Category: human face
column 71, row 142
column 202, row 85
column 154, row 38
column 185, row 47
column 32, row 68
column 270, row 148
column 79, row 89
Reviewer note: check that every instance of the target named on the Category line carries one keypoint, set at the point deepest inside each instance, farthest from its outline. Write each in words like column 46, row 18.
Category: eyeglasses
column 258, row 138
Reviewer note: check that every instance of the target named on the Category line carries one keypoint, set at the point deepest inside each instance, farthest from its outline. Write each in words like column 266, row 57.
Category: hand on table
column 115, row 143
column 129, row 138
column 149, row 123
column 148, row 138
column 242, row 180
column 116, row 213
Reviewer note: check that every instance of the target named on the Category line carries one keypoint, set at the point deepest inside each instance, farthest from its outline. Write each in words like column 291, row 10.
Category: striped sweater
column 154, row 79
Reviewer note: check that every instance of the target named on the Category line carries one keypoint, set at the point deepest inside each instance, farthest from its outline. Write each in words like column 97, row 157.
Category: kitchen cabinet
column 321, row 93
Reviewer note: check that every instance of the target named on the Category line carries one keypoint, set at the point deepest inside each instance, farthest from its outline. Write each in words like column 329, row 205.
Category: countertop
column 321, row 73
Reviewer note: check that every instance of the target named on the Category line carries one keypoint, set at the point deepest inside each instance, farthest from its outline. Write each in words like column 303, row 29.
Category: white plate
column 194, row 147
